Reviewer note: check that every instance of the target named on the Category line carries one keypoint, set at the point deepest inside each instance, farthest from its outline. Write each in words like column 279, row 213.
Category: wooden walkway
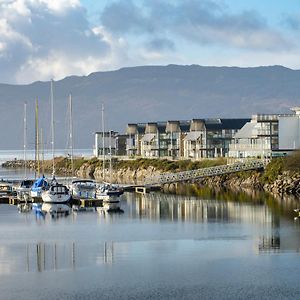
column 204, row 172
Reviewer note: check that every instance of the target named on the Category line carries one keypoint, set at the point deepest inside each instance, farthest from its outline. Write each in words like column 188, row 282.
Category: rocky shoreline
column 285, row 183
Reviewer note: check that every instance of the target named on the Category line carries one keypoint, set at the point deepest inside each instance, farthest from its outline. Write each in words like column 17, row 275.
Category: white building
column 267, row 135
column 110, row 143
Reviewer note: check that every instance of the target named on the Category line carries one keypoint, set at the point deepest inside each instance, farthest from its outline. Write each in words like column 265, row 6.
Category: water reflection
column 192, row 209
column 45, row 257
column 75, row 237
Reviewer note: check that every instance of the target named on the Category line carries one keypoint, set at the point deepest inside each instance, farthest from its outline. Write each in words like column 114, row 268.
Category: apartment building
column 196, row 139
column 267, row 135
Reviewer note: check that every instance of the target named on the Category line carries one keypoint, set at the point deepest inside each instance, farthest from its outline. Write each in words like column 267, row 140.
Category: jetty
column 190, row 176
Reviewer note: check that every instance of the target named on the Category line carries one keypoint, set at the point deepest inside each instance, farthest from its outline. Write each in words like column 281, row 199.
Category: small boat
column 108, row 190
column 24, row 190
column 38, row 187
column 57, row 193
column 84, row 189
column 6, row 189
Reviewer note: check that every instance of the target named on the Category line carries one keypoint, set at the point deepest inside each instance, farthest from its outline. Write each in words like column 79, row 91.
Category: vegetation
column 277, row 166
column 292, row 162
column 273, row 170
column 167, row 165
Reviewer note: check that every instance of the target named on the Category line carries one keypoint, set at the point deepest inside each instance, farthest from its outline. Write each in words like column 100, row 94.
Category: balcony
column 248, row 147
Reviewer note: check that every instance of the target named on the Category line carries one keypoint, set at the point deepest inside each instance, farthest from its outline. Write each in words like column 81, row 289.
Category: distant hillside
column 142, row 94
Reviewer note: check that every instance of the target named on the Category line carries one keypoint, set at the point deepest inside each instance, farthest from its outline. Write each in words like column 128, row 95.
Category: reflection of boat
column 78, row 208
column 57, row 193
column 38, row 187
column 24, row 208
column 110, row 206
column 84, row 189
column 37, row 208
column 56, row 209
column 24, row 190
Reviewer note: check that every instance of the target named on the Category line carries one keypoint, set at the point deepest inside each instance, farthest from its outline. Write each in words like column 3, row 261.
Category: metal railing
column 204, row 172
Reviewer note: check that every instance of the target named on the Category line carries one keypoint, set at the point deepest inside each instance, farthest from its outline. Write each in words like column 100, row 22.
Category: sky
column 43, row 39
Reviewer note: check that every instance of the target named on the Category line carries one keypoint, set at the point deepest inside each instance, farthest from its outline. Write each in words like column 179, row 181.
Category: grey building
column 197, row 138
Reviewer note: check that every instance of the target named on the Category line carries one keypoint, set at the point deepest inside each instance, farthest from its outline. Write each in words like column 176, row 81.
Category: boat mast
column 103, row 143
column 42, row 150
column 52, row 128
column 110, row 166
column 37, row 158
column 71, row 133
column 25, row 138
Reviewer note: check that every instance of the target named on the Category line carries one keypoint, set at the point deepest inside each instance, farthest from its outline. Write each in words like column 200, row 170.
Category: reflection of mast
column 108, row 254
column 73, row 255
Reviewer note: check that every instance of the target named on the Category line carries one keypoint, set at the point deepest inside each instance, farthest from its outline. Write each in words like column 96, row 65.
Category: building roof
column 215, row 124
column 248, row 131
column 192, row 136
column 148, row 137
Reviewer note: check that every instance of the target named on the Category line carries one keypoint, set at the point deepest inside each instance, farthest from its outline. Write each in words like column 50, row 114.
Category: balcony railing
column 243, row 147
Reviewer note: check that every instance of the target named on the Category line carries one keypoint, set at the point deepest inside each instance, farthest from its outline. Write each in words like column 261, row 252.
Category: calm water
column 161, row 247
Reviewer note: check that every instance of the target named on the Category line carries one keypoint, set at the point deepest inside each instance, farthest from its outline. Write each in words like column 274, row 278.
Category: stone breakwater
column 124, row 175
column 286, row 183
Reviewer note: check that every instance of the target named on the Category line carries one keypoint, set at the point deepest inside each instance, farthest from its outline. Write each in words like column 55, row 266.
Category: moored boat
column 24, row 190
column 57, row 193
column 38, row 187
column 84, row 189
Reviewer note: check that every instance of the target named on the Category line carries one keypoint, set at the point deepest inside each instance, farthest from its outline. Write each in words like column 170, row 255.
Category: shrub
column 292, row 162
column 273, row 170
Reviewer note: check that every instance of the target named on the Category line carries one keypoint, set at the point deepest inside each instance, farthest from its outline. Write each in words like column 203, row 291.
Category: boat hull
column 55, row 198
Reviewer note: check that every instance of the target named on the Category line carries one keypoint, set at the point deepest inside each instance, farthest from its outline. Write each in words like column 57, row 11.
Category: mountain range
column 144, row 94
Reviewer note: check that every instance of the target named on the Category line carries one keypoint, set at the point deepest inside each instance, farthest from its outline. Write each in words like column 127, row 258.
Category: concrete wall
column 289, row 135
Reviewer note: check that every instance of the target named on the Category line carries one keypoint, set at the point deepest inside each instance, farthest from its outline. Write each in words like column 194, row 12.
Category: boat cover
column 39, row 183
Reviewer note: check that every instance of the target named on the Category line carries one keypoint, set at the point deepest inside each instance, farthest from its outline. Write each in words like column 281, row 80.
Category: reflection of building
column 173, row 207
column 267, row 135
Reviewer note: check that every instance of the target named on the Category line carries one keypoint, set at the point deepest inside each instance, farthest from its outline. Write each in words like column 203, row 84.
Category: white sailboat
column 23, row 191
column 57, row 193
column 79, row 188
column 108, row 193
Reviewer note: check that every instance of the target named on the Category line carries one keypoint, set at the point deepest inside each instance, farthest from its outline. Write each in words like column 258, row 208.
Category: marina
column 181, row 244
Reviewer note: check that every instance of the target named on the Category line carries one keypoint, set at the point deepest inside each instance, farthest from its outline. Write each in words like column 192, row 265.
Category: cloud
column 201, row 22
column 292, row 21
column 40, row 39
column 160, row 44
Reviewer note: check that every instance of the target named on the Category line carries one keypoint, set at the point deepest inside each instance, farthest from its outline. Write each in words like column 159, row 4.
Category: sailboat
column 57, row 192
column 108, row 193
column 79, row 188
column 23, row 191
column 41, row 184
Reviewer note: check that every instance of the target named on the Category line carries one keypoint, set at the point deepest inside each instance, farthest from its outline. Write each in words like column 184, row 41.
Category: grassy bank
column 63, row 164
column 279, row 165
